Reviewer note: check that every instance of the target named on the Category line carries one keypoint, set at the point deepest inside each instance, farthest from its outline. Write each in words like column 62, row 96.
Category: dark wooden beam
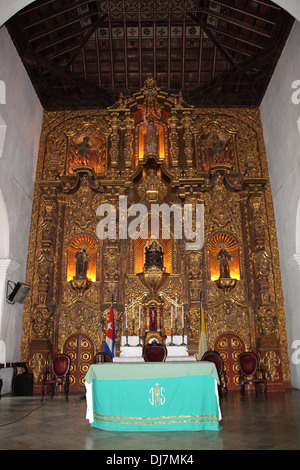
column 35, row 6
column 96, row 25
column 41, row 63
column 199, row 20
column 65, row 37
column 244, row 11
column 236, row 22
column 66, row 24
column 239, row 38
column 68, row 6
column 234, row 72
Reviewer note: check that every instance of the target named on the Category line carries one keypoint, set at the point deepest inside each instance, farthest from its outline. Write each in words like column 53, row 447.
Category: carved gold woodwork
column 37, row 364
column 153, row 278
column 214, row 157
column 271, row 361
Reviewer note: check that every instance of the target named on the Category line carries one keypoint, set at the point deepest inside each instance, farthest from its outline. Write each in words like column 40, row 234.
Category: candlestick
column 132, row 307
column 139, row 316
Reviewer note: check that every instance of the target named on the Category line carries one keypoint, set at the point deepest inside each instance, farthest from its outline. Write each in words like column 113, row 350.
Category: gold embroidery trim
column 171, row 419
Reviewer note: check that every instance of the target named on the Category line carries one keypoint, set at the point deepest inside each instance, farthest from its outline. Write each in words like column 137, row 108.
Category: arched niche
column 161, row 139
column 227, row 241
column 139, row 254
column 84, row 242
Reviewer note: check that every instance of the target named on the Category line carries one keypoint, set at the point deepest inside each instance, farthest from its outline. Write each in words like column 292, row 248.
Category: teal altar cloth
column 153, row 396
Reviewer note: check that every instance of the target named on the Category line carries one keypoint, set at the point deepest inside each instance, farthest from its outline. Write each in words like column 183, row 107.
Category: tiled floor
column 253, row 424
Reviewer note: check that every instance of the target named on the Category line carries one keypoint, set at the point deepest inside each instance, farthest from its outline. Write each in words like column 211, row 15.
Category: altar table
column 153, row 396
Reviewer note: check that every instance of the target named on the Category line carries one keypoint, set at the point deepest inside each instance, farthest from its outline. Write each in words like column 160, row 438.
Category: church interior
column 112, row 114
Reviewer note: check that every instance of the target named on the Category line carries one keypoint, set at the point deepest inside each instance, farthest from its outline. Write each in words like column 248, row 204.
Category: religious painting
column 215, row 148
column 87, row 148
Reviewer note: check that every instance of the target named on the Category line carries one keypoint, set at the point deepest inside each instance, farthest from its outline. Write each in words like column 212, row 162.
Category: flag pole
column 109, row 346
column 202, row 332
column 200, row 308
column 201, row 312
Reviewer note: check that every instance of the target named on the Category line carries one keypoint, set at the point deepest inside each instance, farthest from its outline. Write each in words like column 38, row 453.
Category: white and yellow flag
column 202, row 334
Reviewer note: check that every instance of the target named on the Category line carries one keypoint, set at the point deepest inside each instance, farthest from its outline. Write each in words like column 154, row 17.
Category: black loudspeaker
column 23, row 385
column 19, row 293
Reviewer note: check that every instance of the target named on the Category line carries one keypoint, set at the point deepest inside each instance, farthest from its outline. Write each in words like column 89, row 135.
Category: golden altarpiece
column 152, row 147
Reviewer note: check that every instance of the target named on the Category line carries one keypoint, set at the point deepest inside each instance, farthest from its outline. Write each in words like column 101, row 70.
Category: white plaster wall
column 282, row 140
column 22, row 113
column 292, row 6
column 9, row 7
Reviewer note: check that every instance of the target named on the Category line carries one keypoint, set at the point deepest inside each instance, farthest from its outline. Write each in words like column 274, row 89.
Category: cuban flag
column 110, row 335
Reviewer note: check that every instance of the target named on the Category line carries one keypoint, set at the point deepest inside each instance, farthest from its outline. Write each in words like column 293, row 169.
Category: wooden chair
column 214, row 356
column 57, row 375
column 250, row 373
column 155, row 352
column 101, row 357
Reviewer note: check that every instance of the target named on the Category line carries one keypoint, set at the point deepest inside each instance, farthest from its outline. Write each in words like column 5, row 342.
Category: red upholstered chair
column 250, row 373
column 102, row 357
column 57, row 375
column 214, row 356
column 155, row 352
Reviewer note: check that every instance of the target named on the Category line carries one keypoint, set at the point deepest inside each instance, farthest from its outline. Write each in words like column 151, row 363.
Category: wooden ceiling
column 82, row 54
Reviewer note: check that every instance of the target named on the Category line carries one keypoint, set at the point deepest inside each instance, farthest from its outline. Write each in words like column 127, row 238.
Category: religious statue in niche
column 154, row 255
column 215, row 149
column 88, row 150
column 224, row 257
column 83, row 150
column 151, row 135
column 82, row 264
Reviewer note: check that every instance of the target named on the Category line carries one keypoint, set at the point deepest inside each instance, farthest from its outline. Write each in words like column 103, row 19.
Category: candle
column 182, row 316
column 126, row 317
column 176, row 307
column 139, row 315
column 171, row 316
column 132, row 307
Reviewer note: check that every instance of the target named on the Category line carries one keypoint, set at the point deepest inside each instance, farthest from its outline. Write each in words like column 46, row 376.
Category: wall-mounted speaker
column 18, row 293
